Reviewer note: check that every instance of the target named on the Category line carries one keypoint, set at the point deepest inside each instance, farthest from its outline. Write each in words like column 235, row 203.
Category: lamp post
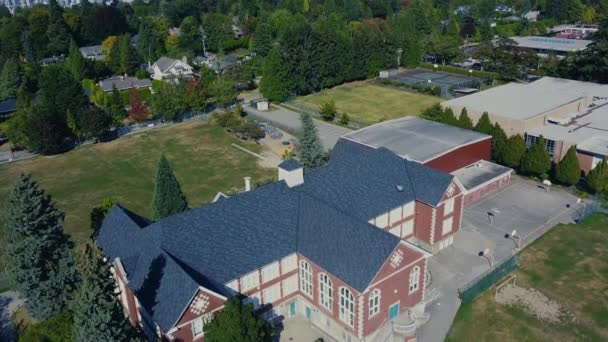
column 486, row 253
column 516, row 238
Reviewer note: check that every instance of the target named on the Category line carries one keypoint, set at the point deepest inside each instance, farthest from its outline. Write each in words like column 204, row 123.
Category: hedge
column 457, row 70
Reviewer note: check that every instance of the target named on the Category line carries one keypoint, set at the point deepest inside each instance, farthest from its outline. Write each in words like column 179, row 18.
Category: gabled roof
column 325, row 221
column 122, row 83
column 166, row 63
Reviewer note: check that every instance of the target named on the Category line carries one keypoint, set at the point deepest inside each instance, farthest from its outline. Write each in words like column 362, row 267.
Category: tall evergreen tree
column 40, row 261
column 484, row 125
column 168, row 196
column 513, row 151
column 464, row 121
column 115, row 105
column 275, row 81
column 262, row 39
column 129, row 60
column 76, row 62
column 96, row 312
column 568, row 170
column 499, row 142
column 310, row 150
column 536, row 160
column 597, row 179
column 10, row 79
column 237, row 322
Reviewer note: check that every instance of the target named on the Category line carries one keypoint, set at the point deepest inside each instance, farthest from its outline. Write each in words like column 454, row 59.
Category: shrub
column 328, row 111
column 141, row 74
column 344, row 118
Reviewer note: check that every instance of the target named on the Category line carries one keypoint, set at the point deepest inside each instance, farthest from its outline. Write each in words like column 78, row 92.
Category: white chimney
column 247, row 183
column 291, row 172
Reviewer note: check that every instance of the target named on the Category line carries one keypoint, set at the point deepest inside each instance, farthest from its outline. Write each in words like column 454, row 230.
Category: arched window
column 326, row 291
column 347, row 306
column 305, row 278
column 414, row 279
column 374, row 302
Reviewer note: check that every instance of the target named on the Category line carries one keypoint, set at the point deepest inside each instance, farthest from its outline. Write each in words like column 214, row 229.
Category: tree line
column 533, row 160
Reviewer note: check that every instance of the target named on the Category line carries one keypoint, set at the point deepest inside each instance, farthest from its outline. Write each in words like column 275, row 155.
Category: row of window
column 269, row 272
column 347, row 300
column 549, row 144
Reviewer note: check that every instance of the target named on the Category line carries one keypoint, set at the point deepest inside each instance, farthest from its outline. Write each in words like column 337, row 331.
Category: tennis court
column 446, row 81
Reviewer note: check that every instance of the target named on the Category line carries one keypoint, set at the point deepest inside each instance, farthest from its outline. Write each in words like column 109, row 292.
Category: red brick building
column 344, row 246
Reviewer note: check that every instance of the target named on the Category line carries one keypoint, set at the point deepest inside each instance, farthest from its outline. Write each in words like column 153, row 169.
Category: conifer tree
column 168, row 196
column 597, row 179
column 568, row 170
column 237, row 322
column 484, row 125
column 310, row 149
column 40, row 261
column 115, row 106
column 128, row 58
column 10, row 79
column 448, row 118
column 513, row 151
column 274, row 84
column 464, row 121
column 76, row 62
column 499, row 142
column 262, row 39
column 96, row 312
column 536, row 160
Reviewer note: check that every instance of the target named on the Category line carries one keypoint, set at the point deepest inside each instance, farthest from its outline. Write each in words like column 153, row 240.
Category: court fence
column 486, row 280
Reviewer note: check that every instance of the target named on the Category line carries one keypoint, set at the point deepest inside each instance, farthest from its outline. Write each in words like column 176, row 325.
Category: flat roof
column 551, row 43
column 524, row 101
column 596, row 145
column 414, row 138
column 478, row 174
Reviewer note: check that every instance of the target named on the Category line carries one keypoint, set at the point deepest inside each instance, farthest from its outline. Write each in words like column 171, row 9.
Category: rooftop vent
column 399, row 187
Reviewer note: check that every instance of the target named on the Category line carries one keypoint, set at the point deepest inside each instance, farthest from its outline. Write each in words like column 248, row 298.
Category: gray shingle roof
column 123, row 83
column 164, row 63
column 214, row 244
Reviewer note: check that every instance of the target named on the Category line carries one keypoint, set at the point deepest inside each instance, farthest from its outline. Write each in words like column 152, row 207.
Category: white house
column 169, row 68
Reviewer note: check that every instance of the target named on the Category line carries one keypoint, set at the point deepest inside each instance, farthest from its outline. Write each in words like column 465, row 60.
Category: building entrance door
column 393, row 311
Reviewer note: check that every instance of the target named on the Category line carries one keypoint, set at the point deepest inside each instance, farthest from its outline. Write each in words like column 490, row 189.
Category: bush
column 328, row 111
column 344, row 119
column 141, row 74
column 55, row 329
column 457, row 70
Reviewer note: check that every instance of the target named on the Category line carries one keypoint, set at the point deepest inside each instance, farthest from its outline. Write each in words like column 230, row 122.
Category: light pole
column 486, row 253
column 516, row 238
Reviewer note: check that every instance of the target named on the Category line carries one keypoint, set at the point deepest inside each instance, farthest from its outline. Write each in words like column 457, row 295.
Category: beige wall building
column 564, row 112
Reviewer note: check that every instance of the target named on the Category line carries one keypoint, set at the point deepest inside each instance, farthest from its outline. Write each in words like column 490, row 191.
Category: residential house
column 124, row 83
column 336, row 246
column 166, row 68
column 94, row 52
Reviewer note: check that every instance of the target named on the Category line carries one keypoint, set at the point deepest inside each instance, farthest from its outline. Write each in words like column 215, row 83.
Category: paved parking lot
column 523, row 206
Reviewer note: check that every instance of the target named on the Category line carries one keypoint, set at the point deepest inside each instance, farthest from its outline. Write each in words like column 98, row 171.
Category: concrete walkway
column 9, row 303
column 328, row 133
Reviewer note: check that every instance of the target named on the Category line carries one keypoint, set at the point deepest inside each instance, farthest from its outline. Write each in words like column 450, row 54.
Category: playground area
column 432, row 78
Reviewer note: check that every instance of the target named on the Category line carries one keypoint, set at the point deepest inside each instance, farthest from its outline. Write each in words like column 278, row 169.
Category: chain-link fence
column 478, row 285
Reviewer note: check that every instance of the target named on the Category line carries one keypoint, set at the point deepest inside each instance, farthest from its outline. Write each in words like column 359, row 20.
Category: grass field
column 369, row 103
column 568, row 265
column 201, row 155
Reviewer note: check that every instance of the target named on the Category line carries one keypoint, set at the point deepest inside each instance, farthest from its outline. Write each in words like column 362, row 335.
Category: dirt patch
column 533, row 302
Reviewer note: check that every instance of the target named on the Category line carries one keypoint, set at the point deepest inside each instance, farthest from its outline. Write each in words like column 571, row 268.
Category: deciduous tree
column 237, row 322
column 137, row 109
column 10, row 79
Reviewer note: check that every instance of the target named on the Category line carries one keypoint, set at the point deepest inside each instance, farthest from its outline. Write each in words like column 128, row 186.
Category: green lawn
column 369, row 103
column 568, row 265
column 201, row 155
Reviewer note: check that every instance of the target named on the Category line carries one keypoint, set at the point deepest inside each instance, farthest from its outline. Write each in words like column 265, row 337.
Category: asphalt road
column 328, row 133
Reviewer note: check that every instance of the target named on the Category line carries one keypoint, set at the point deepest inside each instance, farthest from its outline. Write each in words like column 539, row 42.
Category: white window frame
column 447, row 226
column 326, row 291
column 306, row 278
column 347, row 306
column 270, row 272
column 202, row 321
column 374, row 303
column 414, row 283
column 289, row 263
column 448, row 206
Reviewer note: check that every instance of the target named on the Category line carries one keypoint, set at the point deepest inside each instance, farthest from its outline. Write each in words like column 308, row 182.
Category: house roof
column 123, row 83
column 214, row 244
column 165, row 63
column 552, row 44
column 290, row 165
column 92, row 50
column 414, row 138
column 8, row 106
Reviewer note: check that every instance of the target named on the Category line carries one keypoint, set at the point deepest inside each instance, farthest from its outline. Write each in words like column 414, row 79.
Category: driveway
column 523, row 206
column 328, row 133
column 9, row 303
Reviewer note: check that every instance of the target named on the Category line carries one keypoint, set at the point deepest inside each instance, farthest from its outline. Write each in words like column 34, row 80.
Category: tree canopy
column 238, row 323
column 168, row 196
